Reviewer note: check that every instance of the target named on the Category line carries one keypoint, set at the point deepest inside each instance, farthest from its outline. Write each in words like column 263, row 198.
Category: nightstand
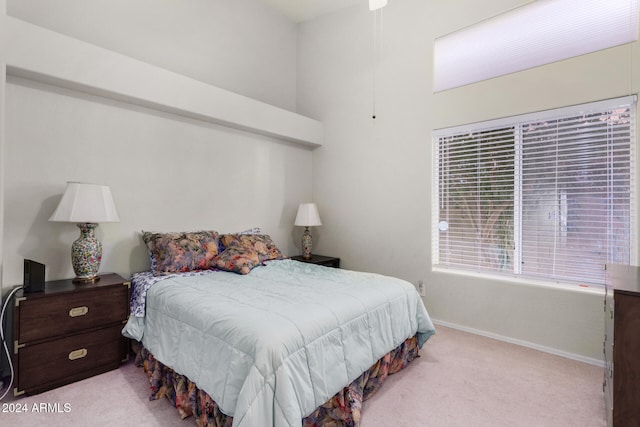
column 327, row 261
column 69, row 332
column 621, row 344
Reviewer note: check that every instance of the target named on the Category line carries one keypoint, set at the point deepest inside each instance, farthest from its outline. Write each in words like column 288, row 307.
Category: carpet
column 461, row 379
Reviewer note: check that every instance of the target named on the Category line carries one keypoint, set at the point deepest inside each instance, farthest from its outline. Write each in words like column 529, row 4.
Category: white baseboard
column 555, row 351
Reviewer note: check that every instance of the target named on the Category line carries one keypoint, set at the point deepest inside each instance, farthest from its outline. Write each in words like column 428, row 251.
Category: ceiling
column 305, row 10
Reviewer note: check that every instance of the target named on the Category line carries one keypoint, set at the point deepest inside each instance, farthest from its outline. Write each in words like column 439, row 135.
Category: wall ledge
column 43, row 55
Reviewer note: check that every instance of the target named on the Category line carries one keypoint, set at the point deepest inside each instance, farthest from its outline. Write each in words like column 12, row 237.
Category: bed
column 272, row 344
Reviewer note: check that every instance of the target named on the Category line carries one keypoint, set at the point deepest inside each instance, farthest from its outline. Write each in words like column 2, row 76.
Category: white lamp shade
column 377, row 4
column 86, row 203
column 308, row 215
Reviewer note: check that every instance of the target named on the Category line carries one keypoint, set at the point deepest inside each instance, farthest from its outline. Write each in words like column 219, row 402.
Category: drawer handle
column 78, row 311
column 78, row 354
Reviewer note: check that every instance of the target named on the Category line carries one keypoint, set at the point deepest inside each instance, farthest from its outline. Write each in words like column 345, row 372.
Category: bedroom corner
column 387, row 163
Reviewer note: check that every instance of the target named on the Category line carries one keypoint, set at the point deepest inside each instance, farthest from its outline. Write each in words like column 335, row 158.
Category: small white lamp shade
column 86, row 203
column 308, row 215
column 377, row 4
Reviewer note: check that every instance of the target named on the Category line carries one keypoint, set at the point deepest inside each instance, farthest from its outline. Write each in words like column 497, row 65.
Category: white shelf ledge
column 37, row 53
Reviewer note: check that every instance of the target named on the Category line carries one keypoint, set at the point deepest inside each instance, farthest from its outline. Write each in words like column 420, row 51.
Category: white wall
column 242, row 46
column 372, row 178
column 167, row 172
column 3, row 7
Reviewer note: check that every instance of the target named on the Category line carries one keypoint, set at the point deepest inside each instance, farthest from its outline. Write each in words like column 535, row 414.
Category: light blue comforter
column 271, row 346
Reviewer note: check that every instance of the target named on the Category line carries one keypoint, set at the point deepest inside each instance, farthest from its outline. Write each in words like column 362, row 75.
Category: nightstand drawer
column 46, row 318
column 53, row 363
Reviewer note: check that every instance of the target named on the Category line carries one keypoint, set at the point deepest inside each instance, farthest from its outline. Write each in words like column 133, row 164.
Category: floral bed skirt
column 343, row 409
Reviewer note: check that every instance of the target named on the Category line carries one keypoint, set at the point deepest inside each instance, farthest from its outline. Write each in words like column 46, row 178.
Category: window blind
column 539, row 33
column 547, row 195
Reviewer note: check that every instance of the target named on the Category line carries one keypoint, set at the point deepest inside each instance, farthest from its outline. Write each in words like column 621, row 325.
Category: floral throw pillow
column 238, row 259
column 181, row 251
column 260, row 243
column 254, row 230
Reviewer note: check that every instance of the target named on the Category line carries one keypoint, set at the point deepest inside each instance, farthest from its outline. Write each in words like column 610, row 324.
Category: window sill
column 570, row 287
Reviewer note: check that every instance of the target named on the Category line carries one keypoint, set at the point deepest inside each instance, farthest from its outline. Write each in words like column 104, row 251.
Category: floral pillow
column 246, row 251
column 260, row 243
column 238, row 259
column 254, row 230
column 181, row 251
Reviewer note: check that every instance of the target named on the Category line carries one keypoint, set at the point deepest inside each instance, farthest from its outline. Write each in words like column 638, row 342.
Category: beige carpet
column 461, row 379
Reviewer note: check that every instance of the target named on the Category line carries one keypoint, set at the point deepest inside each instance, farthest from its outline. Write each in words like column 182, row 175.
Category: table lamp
column 307, row 217
column 86, row 205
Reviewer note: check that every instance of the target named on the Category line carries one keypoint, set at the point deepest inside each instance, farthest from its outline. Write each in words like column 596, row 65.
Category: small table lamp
column 86, row 205
column 307, row 217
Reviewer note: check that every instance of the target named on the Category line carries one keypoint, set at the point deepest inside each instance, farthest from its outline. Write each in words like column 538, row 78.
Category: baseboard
column 554, row 351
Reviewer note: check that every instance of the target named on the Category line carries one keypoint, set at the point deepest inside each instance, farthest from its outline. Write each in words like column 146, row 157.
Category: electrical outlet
column 421, row 289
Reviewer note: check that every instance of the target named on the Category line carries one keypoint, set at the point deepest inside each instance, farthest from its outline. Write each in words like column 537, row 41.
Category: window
column 546, row 195
column 540, row 32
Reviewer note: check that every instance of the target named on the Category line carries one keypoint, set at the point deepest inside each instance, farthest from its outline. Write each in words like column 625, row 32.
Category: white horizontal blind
column 538, row 33
column 476, row 198
column 543, row 195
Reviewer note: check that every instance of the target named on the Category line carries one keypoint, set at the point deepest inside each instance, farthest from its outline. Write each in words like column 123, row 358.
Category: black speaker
column 33, row 276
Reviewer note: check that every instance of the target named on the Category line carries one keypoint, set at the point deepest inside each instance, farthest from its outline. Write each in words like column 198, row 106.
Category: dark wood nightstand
column 327, row 261
column 69, row 332
column 621, row 344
